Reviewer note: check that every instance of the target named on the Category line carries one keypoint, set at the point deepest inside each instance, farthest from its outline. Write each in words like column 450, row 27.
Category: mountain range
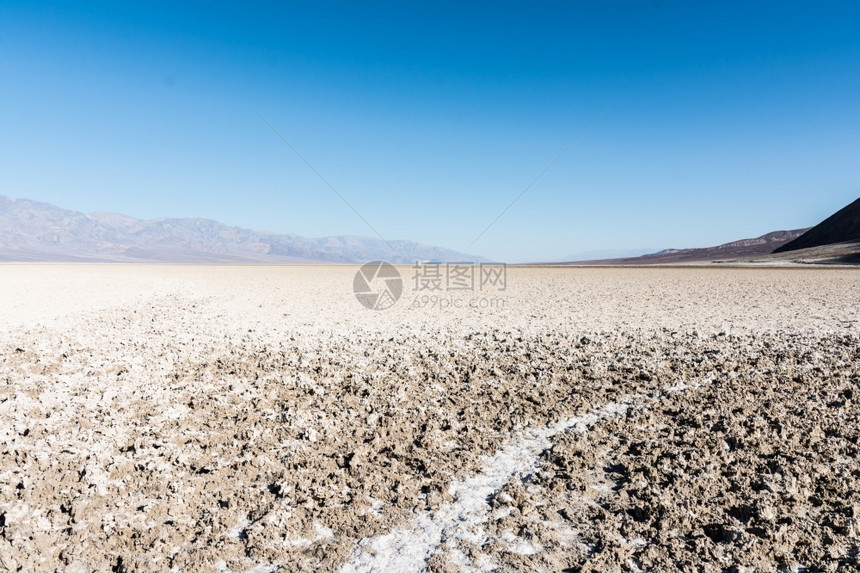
column 36, row 231
column 834, row 240
column 743, row 248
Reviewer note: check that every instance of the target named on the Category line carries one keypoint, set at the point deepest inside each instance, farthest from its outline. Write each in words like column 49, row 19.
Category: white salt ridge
column 519, row 545
column 462, row 519
column 322, row 533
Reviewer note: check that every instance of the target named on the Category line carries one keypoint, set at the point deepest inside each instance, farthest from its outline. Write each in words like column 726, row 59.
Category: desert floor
column 201, row 418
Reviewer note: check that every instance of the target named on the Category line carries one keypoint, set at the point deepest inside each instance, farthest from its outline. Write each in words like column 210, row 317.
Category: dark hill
column 844, row 225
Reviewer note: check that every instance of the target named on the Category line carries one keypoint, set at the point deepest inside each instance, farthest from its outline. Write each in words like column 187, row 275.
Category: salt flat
column 192, row 418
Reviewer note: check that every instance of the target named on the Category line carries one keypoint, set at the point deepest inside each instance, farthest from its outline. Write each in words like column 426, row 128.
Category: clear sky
column 720, row 120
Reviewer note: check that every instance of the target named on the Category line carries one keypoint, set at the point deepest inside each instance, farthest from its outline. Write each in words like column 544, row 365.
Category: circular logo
column 377, row 285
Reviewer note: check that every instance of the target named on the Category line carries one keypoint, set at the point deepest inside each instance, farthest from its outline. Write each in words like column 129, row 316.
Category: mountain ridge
column 39, row 231
column 751, row 247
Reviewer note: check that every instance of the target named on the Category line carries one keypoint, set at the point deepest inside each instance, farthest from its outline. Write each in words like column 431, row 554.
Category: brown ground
column 238, row 418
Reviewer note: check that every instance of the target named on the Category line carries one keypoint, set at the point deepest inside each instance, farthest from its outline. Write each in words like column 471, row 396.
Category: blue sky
column 718, row 120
